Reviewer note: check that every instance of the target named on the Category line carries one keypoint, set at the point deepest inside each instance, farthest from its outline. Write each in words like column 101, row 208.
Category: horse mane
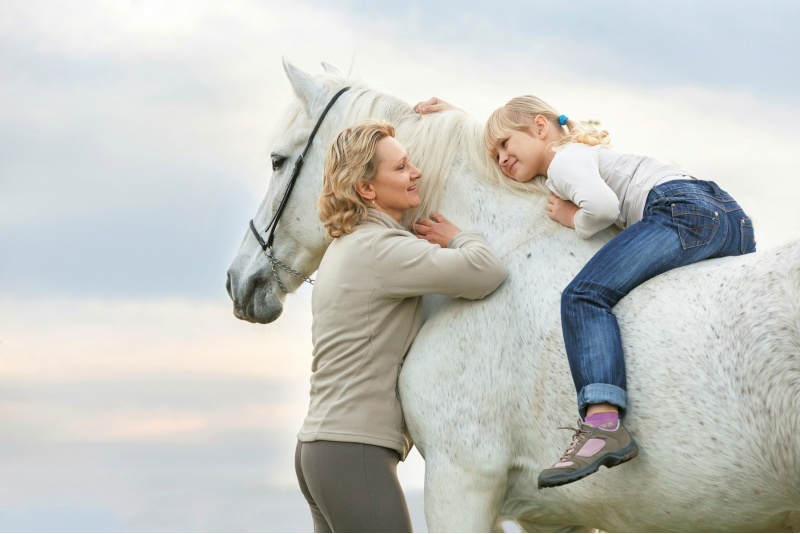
column 437, row 143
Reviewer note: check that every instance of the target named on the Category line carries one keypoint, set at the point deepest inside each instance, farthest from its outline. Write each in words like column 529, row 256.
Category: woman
column 367, row 309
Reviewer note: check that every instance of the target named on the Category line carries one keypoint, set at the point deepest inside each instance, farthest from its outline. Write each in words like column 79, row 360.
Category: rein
column 266, row 246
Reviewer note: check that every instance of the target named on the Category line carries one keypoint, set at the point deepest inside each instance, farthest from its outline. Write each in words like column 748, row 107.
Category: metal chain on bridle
column 266, row 246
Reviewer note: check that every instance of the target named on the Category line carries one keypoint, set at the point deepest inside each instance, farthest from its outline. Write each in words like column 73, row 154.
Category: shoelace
column 579, row 433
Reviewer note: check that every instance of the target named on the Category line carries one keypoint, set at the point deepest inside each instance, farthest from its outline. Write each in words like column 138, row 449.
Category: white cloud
column 144, row 113
column 75, row 339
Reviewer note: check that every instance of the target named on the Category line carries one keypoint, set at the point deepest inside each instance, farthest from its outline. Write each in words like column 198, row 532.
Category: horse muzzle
column 254, row 299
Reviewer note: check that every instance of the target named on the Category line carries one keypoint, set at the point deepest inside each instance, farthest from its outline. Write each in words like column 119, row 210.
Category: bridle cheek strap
column 266, row 246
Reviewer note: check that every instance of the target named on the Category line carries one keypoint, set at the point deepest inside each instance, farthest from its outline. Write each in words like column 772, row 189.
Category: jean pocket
column 748, row 236
column 697, row 225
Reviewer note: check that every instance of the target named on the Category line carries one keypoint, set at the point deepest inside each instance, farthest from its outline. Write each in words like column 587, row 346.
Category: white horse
column 712, row 350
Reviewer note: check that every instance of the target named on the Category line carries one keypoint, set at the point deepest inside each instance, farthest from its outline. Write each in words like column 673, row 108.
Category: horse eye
column 277, row 161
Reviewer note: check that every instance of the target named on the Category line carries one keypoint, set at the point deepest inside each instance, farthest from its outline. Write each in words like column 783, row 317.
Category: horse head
column 442, row 144
column 259, row 277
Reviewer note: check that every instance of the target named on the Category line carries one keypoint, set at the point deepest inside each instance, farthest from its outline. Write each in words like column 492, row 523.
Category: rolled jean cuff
column 600, row 394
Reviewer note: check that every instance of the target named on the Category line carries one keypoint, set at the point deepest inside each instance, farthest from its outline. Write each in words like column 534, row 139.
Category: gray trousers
column 351, row 487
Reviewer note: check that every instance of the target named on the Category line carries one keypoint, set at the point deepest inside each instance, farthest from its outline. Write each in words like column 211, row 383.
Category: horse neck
column 505, row 218
column 467, row 187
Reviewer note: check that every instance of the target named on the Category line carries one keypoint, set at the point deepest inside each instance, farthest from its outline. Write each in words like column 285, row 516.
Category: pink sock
column 604, row 420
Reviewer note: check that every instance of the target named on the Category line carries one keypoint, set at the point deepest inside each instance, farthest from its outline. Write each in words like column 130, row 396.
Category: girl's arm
column 432, row 105
column 574, row 175
column 561, row 211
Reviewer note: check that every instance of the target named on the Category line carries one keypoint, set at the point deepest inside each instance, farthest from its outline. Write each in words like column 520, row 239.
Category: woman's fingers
column 423, row 226
column 437, row 230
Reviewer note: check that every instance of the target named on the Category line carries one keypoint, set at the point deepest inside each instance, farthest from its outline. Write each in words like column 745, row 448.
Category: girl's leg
column 591, row 332
column 355, row 486
column 683, row 224
column 594, row 347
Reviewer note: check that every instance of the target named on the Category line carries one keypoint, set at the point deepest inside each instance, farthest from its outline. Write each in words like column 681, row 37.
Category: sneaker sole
column 609, row 460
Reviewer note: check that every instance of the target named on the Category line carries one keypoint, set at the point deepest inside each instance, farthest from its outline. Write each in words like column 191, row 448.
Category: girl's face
column 522, row 155
column 394, row 188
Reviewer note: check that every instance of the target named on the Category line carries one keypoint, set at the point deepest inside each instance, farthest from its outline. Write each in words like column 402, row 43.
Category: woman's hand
column 432, row 105
column 436, row 230
column 562, row 211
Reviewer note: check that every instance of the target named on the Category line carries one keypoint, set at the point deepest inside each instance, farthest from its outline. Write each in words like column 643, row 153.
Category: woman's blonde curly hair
column 518, row 114
column 350, row 160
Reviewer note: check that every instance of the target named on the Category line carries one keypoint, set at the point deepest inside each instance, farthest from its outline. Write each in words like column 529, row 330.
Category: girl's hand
column 432, row 105
column 436, row 230
column 562, row 211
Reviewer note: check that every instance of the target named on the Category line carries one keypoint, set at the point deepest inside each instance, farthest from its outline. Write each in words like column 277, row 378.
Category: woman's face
column 394, row 188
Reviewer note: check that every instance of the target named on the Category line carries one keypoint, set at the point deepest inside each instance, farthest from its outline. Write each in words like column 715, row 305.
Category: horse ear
column 330, row 69
column 308, row 89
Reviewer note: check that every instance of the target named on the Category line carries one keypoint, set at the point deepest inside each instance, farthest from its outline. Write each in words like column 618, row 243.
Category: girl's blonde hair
column 518, row 114
column 350, row 160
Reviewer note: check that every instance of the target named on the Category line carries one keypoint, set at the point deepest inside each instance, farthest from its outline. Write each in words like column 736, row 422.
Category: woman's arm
column 406, row 266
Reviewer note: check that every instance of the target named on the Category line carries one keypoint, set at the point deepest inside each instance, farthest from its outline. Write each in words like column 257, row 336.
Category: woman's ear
column 365, row 190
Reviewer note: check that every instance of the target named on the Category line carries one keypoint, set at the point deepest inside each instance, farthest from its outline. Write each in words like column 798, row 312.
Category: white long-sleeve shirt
column 607, row 185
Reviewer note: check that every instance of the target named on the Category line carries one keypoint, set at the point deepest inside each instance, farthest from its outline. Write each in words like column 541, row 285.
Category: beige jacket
column 367, row 309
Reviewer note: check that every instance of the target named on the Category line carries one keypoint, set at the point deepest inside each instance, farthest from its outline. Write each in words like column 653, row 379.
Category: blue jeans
column 685, row 221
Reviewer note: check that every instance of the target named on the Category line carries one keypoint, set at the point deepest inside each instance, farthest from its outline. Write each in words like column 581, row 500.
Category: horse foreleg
column 459, row 499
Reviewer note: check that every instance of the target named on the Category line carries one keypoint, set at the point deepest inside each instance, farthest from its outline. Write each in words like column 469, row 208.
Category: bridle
column 266, row 246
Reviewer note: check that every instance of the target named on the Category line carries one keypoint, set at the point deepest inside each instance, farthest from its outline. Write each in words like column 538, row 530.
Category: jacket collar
column 378, row 217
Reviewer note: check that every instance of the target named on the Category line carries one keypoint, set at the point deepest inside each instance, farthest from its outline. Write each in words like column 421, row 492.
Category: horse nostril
column 228, row 286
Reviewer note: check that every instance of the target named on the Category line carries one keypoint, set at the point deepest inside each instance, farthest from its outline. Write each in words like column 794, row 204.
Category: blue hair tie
column 562, row 120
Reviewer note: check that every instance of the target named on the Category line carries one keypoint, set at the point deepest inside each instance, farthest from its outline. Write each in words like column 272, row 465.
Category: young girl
column 671, row 219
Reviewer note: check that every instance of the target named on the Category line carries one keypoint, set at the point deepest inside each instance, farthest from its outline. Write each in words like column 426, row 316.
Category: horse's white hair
column 713, row 351
column 434, row 142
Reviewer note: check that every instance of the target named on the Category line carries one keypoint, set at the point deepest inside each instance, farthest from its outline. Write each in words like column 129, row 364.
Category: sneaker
column 591, row 447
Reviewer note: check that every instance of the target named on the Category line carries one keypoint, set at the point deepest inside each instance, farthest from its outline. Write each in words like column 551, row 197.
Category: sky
column 134, row 143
